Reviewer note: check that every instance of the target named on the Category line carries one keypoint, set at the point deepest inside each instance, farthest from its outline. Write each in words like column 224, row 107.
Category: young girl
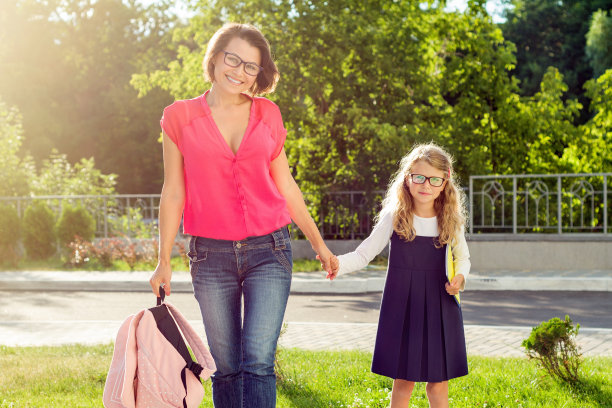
column 420, row 329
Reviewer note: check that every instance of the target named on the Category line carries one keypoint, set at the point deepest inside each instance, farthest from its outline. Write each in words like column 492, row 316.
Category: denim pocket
column 195, row 257
column 284, row 256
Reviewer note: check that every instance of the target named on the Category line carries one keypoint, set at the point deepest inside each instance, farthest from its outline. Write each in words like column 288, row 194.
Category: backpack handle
column 162, row 295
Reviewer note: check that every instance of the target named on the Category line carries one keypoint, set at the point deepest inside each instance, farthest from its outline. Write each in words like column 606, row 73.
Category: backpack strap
column 200, row 351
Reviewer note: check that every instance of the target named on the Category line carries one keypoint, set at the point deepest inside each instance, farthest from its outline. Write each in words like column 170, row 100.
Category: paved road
column 590, row 309
column 496, row 322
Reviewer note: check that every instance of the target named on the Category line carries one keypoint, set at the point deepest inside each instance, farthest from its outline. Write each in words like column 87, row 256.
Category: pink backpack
column 151, row 364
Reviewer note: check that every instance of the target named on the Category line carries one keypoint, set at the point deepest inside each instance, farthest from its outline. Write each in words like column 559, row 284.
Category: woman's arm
column 281, row 174
column 170, row 213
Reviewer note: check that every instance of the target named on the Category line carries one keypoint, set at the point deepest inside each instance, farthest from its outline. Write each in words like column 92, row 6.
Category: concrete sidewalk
column 492, row 341
column 363, row 281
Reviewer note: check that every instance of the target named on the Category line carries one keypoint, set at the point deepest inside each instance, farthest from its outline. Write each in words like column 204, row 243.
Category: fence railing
column 540, row 203
column 513, row 204
column 120, row 214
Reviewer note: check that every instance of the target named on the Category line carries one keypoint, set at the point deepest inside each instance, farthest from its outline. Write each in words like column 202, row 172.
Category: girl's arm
column 170, row 213
column 462, row 264
column 370, row 247
column 281, row 174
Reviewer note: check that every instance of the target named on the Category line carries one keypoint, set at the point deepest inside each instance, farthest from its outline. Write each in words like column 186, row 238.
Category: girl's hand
column 324, row 255
column 335, row 266
column 455, row 285
column 161, row 276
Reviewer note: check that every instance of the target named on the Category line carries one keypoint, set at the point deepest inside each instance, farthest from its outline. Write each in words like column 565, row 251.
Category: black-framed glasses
column 421, row 179
column 234, row 61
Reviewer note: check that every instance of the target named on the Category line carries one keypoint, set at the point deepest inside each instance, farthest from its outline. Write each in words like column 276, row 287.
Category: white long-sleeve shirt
column 381, row 234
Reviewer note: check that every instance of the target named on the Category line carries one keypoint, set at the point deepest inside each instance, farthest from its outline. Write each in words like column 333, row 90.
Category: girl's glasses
column 421, row 179
column 234, row 61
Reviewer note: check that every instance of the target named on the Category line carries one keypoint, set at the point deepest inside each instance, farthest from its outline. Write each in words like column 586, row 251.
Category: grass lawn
column 73, row 376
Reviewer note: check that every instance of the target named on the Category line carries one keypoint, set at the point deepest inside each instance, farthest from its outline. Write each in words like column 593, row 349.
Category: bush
column 80, row 251
column 134, row 251
column 106, row 250
column 9, row 234
column 131, row 224
column 39, row 231
column 553, row 347
column 75, row 222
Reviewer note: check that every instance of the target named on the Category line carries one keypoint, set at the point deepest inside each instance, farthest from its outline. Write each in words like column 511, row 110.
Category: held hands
column 329, row 263
column 161, row 277
column 455, row 285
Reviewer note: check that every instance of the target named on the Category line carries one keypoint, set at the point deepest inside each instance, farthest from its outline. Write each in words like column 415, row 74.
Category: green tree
column 551, row 127
column 70, row 63
column 58, row 177
column 478, row 95
column 593, row 152
column 14, row 170
column 599, row 42
column 551, row 33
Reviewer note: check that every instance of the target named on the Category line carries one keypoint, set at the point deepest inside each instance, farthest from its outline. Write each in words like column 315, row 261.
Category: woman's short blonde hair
column 267, row 79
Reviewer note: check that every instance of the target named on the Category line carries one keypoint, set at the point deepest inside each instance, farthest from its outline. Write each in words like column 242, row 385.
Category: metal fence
column 115, row 215
column 348, row 214
column 513, row 204
column 540, row 203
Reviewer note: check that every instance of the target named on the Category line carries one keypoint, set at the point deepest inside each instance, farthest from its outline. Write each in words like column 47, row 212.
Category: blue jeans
column 223, row 272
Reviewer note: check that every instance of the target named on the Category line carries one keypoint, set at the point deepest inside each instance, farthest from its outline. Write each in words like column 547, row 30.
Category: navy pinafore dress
column 420, row 329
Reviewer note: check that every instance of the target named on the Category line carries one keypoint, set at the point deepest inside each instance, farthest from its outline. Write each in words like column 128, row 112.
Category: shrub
column 9, row 234
column 80, row 251
column 73, row 222
column 38, row 231
column 553, row 347
column 134, row 251
column 131, row 224
column 106, row 250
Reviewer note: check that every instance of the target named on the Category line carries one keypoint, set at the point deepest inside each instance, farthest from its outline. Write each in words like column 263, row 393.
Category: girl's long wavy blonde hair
column 449, row 206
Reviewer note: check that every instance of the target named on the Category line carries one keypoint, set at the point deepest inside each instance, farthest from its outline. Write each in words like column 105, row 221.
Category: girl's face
column 424, row 194
column 234, row 79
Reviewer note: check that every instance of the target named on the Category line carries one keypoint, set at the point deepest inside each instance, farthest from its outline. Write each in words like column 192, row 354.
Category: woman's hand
column 329, row 262
column 161, row 277
column 455, row 285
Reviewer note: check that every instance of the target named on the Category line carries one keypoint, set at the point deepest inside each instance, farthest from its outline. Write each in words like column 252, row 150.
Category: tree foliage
column 552, row 33
column 361, row 82
column 70, row 63
column 57, row 176
column 14, row 170
column 599, row 42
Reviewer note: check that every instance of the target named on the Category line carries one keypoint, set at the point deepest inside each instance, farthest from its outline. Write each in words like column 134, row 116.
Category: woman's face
column 234, row 79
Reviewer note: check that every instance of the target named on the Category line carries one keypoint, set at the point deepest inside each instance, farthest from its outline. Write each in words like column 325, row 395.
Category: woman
column 226, row 171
